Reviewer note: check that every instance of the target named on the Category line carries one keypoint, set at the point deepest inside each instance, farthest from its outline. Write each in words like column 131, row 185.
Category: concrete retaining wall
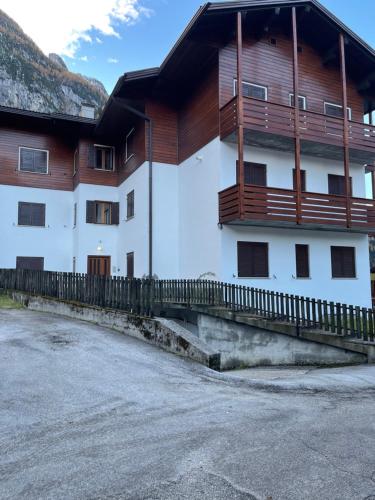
column 243, row 346
column 164, row 333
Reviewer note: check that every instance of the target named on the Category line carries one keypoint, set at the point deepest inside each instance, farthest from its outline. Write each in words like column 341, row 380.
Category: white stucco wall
column 280, row 169
column 133, row 233
column 282, row 263
column 199, row 235
column 53, row 242
column 87, row 236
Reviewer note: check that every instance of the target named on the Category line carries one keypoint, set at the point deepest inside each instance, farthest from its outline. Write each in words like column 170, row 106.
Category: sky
column 106, row 38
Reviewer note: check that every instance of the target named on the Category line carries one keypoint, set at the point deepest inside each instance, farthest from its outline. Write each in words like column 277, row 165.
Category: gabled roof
column 189, row 55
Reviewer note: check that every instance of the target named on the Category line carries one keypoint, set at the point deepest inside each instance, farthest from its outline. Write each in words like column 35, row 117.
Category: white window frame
column 103, row 146
column 336, row 106
column 251, row 85
column 127, row 157
column 32, row 149
column 291, row 95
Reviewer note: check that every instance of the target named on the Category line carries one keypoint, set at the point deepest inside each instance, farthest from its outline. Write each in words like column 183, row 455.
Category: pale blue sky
column 146, row 42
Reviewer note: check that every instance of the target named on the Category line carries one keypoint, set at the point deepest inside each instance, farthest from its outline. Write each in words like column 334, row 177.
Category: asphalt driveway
column 89, row 413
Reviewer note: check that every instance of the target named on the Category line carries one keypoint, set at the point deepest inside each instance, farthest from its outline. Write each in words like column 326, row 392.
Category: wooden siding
column 272, row 66
column 279, row 205
column 87, row 175
column 165, row 136
column 60, row 168
column 199, row 117
column 125, row 170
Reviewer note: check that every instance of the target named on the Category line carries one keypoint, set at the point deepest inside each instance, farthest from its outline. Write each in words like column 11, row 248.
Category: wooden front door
column 99, row 266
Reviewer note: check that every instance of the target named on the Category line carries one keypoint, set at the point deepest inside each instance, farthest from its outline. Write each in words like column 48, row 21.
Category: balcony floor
column 267, row 140
column 298, row 227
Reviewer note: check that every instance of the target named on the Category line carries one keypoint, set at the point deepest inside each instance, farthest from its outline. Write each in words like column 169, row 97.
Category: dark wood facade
column 271, row 65
column 60, row 168
column 199, row 116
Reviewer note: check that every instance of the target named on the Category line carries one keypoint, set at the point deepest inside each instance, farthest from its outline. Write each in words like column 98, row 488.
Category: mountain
column 31, row 80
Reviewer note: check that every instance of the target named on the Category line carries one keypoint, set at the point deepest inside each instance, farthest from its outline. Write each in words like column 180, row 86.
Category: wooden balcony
column 264, row 206
column 272, row 125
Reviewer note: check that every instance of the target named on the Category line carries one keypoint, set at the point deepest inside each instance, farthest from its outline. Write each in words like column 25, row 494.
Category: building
column 189, row 175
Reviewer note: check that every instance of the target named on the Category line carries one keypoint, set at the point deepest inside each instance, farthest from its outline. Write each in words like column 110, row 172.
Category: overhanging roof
column 194, row 47
column 23, row 117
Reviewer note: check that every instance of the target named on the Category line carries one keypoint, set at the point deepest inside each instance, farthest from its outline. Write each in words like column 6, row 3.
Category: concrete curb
column 347, row 380
column 164, row 333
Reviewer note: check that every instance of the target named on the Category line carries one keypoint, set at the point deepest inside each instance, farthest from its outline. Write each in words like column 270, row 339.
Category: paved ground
column 88, row 413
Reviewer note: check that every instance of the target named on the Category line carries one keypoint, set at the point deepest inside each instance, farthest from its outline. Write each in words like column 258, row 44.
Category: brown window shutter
column 336, row 185
column 130, row 205
column 303, row 180
column 343, row 262
column 255, row 173
column 302, row 261
column 38, row 214
column 90, row 212
column 115, row 218
column 30, row 263
column 31, row 214
column 91, row 160
column 24, row 218
column 130, row 265
column 252, row 259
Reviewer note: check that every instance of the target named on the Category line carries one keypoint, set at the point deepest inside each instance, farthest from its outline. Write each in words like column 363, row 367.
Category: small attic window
column 273, row 41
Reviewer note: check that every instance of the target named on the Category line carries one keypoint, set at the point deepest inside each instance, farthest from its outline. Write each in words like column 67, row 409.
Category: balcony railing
column 273, row 205
column 278, row 119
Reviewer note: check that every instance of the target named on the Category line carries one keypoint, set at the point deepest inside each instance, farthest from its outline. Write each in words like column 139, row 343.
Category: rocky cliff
column 31, row 80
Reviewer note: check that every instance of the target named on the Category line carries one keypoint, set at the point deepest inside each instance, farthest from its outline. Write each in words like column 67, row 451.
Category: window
column 130, row 205
column 30, row 263
column 303, row 180
column 336, row 185
column 75, row 215
column 75, row 162
column 301, row 101
column 335, row 110
column 129, row 145
column 255, row 173
column 130, row 265
column 302, row 261
column 252, row 259
column 252, row 90
column 101, row 157
column 102, row 212
column 31, row 214
column 33, row 160
column 343, row 262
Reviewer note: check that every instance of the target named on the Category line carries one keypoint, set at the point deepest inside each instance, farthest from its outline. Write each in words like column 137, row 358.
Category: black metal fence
column 143, row 296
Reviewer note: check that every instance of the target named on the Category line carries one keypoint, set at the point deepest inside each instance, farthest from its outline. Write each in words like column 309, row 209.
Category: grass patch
column 7, row 303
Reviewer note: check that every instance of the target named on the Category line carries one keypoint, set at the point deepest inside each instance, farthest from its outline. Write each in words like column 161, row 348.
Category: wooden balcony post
column 297, row 137
column 240, row 128
column 373, row 183
column 346, row 129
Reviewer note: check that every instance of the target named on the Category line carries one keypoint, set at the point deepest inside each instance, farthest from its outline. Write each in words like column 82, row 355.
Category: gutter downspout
column 147, row 119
